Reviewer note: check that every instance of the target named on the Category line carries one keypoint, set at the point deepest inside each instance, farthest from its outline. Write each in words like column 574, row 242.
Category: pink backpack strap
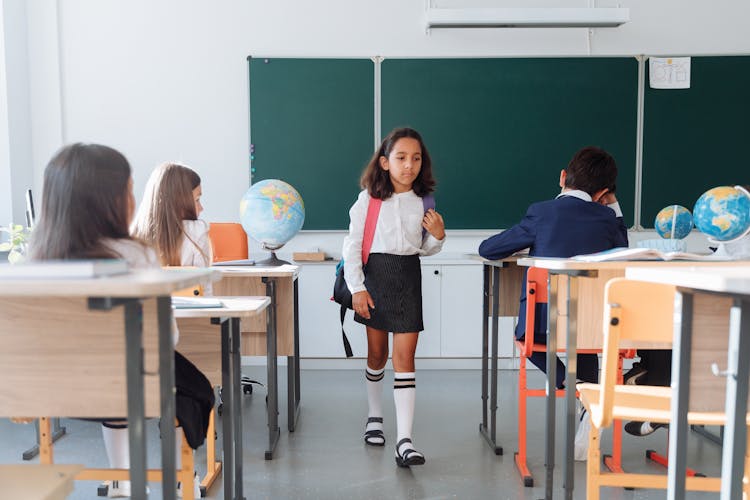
column 373, row 210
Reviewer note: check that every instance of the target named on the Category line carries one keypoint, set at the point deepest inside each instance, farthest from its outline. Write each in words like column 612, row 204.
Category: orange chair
column 536, row 293
column 229, row 241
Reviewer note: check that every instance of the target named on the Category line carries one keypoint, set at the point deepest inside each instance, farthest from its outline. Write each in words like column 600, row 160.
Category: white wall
column 15, row 146
column 167, row 80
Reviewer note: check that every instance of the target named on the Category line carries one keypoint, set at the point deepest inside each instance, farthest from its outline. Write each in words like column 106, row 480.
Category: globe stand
column 272, row 261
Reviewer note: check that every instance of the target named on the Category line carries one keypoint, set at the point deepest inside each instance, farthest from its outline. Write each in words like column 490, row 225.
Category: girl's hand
column 434, row 224
column 362, row 303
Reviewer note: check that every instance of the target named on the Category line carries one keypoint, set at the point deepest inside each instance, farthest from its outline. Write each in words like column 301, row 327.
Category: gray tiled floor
column 326, row 458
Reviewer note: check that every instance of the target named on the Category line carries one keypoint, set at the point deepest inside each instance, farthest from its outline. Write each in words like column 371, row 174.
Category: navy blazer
column 563, row 227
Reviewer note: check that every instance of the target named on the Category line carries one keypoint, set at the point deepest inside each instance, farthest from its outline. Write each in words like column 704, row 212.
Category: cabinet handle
column 436, row 272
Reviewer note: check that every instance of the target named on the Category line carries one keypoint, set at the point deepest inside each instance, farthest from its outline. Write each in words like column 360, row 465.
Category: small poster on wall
column 669, row 72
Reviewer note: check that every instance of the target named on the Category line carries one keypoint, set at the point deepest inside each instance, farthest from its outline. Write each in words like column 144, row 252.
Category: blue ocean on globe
column 723, row 213
column 673, row 216
column 272, row 212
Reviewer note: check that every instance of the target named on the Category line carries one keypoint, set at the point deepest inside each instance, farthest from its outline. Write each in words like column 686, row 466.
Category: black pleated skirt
column 395, row 285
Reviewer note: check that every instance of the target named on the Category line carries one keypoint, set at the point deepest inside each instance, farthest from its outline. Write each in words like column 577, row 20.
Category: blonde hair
column 167, row 201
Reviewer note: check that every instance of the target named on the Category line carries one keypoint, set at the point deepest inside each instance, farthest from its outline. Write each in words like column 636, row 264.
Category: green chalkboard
column 312, row 125
column 500, row 130
column 695, row 139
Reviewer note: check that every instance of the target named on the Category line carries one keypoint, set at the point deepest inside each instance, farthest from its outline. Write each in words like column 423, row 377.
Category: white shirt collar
column 576, row 193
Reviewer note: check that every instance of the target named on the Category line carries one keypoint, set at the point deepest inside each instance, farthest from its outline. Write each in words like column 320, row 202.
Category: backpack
column 341, row 293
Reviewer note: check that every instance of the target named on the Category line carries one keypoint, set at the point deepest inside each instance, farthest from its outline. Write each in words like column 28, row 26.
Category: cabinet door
column 429, row 339
column 319, row 324
column 461, row 311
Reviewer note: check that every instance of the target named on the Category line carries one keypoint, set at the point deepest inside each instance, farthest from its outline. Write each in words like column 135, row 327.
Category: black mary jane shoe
column 374, row 437
column 410, row 456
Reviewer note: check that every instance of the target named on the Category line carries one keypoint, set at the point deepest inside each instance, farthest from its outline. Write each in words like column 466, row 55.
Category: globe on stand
column 673, row 222
column 723, row 214
column 272, row 212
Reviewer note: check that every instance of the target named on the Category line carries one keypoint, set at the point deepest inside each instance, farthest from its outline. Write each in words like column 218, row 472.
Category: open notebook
column 644, row 254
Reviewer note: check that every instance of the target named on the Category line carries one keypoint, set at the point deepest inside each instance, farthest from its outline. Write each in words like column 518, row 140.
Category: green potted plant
column 18, row 238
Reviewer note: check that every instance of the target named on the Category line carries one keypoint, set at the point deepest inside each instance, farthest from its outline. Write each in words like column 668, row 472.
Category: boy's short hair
column 591, row 169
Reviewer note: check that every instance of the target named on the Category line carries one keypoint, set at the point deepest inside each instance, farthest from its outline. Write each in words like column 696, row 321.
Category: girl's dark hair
column 591, row 169
column 378, row 181
column 84, row 200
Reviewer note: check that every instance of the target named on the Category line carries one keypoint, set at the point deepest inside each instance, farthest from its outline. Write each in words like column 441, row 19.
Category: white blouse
column 139, row 256
column 398, row 232
column 196, row 247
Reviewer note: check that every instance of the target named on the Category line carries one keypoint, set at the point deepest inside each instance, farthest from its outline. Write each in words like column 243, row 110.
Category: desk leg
column 58, row 431
column 681, row 351
column 485, row 346
column 227, row 384
column 491, row 438
column 571, row 349
column 293, row 392
column 733, row 456
column 234, row 348
column 273, row 387
column 167, row 388
column 136, row 399
column 549, row 438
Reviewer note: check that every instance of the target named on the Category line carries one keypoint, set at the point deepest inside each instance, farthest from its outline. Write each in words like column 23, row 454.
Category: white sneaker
column 118, row 489
column 196, row 487
column 581, row 443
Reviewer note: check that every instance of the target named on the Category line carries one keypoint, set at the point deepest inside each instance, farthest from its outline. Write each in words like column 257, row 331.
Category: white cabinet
column 451, row 304
column 461, row 311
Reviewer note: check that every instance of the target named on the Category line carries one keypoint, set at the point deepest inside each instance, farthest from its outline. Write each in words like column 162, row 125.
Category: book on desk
column 240, row 262
column 645, row 254
column 196, row 303
column 64, row 269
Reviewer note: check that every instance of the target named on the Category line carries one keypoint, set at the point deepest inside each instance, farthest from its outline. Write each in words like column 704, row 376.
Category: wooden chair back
column 228, row 240
column 536, row 293
column 636, row 315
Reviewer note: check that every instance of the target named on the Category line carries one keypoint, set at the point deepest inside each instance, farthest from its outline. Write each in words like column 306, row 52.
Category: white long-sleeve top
column 139, row 256
column 196, row 247
column 398, row 232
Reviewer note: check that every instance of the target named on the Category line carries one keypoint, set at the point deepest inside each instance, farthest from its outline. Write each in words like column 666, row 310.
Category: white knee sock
column 117, row 446
column 374, row 383
column 404, row 396
column 179, row 435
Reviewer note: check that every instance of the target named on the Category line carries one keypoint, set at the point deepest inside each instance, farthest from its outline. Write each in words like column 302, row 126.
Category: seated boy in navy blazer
column 584, row 218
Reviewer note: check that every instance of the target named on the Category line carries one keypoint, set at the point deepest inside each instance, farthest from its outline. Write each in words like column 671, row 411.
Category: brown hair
column 591, row 169
column 167, row 201
column 84, row 201
column 378, row 181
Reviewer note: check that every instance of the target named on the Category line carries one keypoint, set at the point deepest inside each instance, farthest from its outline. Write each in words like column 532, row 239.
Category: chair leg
column 185, row 474
column 520, row 456
column 45, row 441
column 614, row 461
column 213, row 466
column 592, row 466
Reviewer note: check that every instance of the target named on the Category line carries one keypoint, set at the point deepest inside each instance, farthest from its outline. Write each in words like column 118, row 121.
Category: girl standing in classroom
column 386, row 281
column 87, row 207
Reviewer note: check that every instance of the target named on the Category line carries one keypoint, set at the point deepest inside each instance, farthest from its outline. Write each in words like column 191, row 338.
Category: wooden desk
column 38, row 482
column 732, row 282
column 280, row 284
column 568, row 314
column 228, row 317
column 62, row 319
column 502, row 279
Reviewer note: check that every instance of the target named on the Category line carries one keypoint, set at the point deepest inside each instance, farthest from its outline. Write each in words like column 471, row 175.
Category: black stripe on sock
column 412, row 386
column 374, row 378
